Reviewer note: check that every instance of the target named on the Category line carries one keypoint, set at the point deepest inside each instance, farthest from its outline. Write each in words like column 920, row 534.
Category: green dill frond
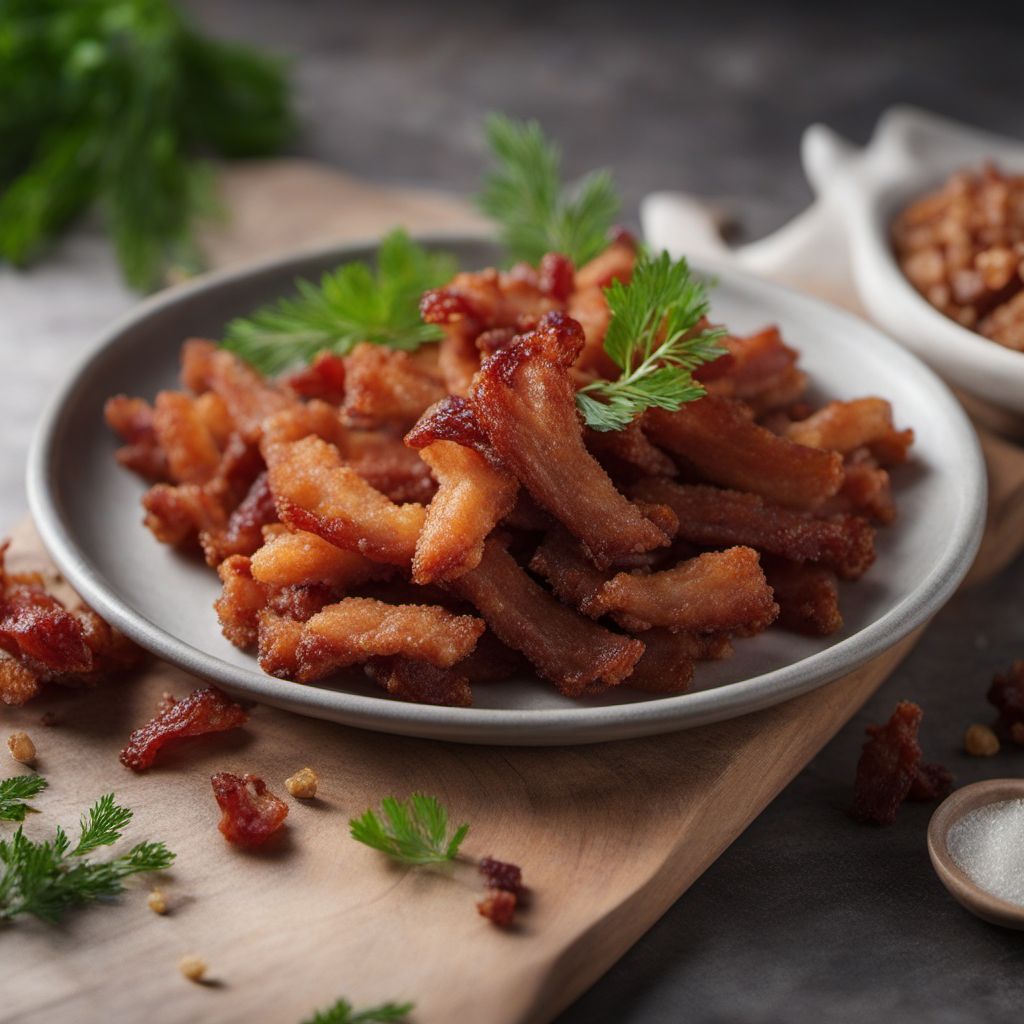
column 342, row 1012
column 413, row 832
column 14, row 793
column 350, row 304
column 537, row 214
column 655, row 338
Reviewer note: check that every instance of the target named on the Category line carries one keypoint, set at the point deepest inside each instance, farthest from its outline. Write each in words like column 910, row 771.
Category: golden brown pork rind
column 718, row 438
column 524, row 400
column 721, row 591
column 577, row 655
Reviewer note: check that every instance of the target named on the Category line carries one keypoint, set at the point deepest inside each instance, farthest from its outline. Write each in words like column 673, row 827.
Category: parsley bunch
column 351, row 304
column 49, row 878
column 108, row 103
column 342, row 1012
column 412, row 832
column 655, row 338
column 536, row 212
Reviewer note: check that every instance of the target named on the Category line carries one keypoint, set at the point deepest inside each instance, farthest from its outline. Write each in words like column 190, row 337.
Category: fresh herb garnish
column 15, row 791
column 413, row 832
column 342, row 1012
column 653, row 338
column 108, row 102
column 47, row 879
column 350, row 305
column 537, row 213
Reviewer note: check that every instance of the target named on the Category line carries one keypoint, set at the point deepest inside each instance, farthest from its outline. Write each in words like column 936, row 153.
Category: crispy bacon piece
column 846, row 426
column 807, row 597
column 315, row 491
column 452, row 419
column 359, row 628
column 473, row 497
column 178, row 514
column 313, row 418
column 578, row 656
column 614, row 264
column 754, row 365
column 250, row 813
column 243, row 533
column 490, row 298
column 491, row 661
column 721, row 591
column 629, row 451
column 132, row 420
column 299, row 559
column 499, row 907
column 458, row 356
column 717, row 437
column 192, row 451
column 666, row 666
column 525, row 402
column 890, row 769
column 387, row 386
column 203, row 711
column 419, row 682
column 324, row 379
column 719, row 518
column 241, row 600
column 570, row 574
column 501, row 875
column 278, row 639
column 248, row 397
column 866, row 490
column 388, row 466
column 1006, row 695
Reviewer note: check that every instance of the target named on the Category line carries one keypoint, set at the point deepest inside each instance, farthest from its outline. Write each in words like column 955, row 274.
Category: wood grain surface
column 608, row 836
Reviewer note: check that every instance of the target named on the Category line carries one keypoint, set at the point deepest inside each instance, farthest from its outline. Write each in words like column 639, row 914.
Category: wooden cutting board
column 608, row 836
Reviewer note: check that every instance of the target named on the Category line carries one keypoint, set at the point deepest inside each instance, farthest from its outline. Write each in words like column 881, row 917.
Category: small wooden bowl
column 965, row 891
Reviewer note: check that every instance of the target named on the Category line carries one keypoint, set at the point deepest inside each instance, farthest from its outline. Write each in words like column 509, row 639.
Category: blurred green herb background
column 114, row 105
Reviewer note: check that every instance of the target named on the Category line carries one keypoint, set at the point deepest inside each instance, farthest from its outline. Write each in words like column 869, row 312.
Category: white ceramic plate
column 87, row 510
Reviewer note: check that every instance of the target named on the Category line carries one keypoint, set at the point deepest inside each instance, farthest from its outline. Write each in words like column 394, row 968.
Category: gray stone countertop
column 809, row 916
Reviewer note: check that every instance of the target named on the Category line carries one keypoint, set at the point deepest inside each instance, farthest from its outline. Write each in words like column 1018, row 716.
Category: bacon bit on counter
column 201, row 712
column 251, row 813
column 890, row 769
column 1006, row 694
column 499, row 907
column 499, row 875
column 157, row 902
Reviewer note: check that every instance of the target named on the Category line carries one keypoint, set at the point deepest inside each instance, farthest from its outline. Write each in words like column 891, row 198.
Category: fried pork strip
column 807, row 597
column 243, row 532
column 359, row 628
column 524, row 400
column 846, row 426
column 419, row 682
column 721, row 591
column 315, row 491
column 666, row 665
column 719, row 518
column 719, row 439
column 473, row 496
column 577, row 655
column 249, row 399
column 629, row 451
column 387, row 386
column 132, row 420
column 303, row 559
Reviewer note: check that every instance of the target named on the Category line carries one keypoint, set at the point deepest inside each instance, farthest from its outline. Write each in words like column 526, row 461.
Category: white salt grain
column 988, row 846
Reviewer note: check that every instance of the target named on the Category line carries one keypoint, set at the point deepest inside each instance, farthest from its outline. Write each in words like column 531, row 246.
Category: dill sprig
column 342, row 1012
column 108, row 103
column 350, row 304
column 653, row 337
column 47, row 879
column 15, row 791
column 536, row 212
column 413, row 832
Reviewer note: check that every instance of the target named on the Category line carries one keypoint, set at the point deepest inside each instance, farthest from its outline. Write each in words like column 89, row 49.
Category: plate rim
column 512, row 726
